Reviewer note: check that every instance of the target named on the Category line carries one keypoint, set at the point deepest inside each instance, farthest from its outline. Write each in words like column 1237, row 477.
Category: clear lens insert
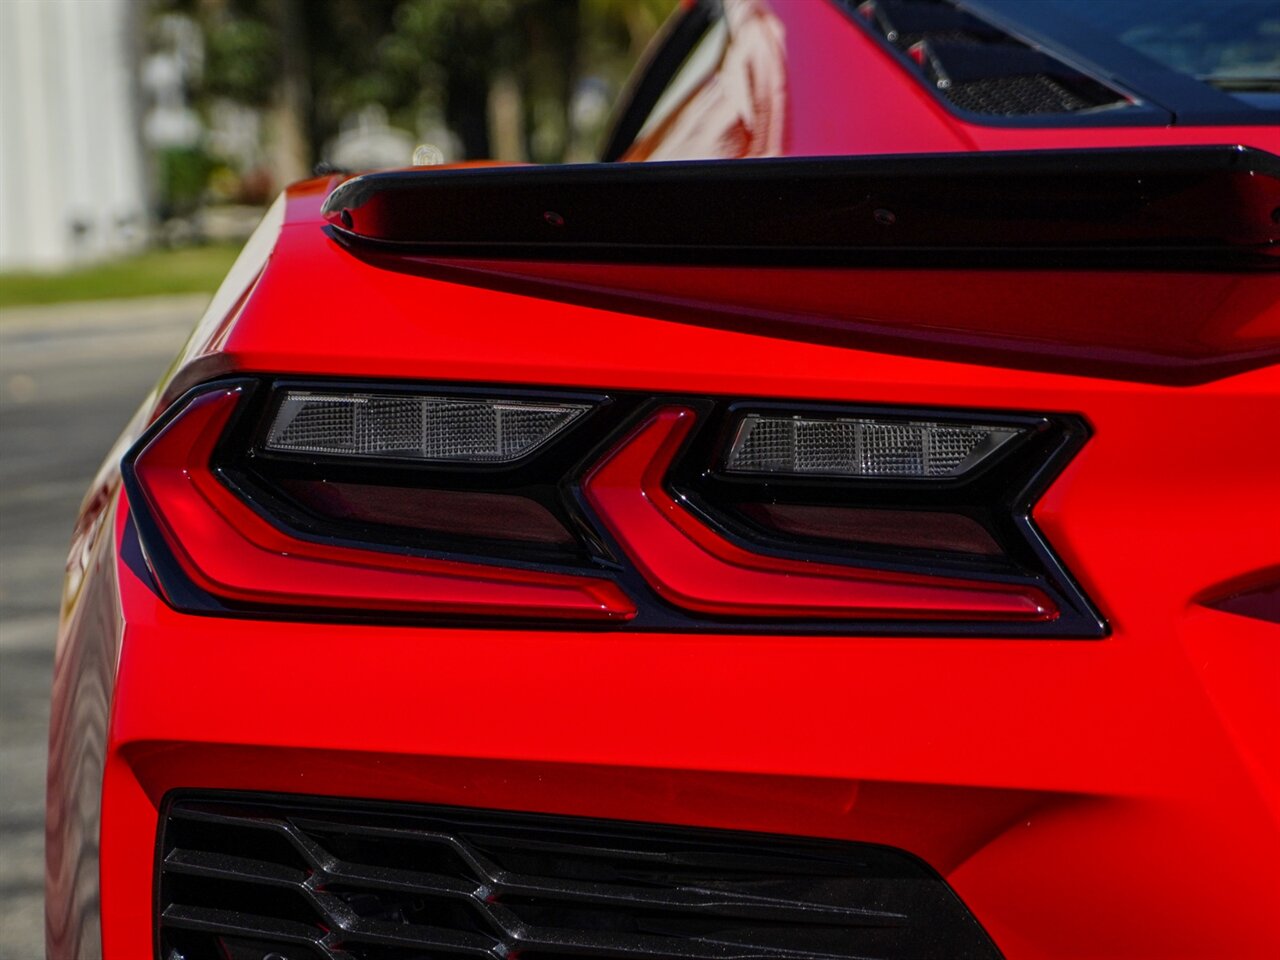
column 848, row 447
column 406, row 427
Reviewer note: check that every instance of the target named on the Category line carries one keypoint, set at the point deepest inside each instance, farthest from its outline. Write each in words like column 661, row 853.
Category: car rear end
column 447, row 549
column 782, row 558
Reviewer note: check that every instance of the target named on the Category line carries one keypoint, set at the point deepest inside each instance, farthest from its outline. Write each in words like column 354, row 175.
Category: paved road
column 70, row 377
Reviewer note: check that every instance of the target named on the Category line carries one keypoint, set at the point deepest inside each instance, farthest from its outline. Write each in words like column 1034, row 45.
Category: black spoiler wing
column 1200, row 207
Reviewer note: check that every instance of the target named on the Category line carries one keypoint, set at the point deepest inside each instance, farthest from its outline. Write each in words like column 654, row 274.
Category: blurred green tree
column 308, row 64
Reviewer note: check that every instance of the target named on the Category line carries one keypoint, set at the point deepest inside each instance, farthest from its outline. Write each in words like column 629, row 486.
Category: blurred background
column 136, row 124
column 140, row 141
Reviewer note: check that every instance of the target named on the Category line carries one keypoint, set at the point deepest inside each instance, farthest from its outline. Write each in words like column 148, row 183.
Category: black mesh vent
column 244, row 879
column 978, row 67
column 1015, row 95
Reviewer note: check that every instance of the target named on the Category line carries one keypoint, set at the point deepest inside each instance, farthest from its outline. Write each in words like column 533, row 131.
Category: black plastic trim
column 1191, row 102
column 1135, row 111
column 1160, row 96
column 345, row 879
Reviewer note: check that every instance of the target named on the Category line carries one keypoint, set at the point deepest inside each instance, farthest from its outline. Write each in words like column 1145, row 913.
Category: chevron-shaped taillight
column 627, row 511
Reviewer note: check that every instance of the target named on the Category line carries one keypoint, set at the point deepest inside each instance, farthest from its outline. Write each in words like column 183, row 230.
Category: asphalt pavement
column 70, row 378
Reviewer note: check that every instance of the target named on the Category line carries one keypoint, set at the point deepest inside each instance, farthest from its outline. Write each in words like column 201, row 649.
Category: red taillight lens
column 910, row 530
column 234, row 554
column 695, row 568
column 456, row 513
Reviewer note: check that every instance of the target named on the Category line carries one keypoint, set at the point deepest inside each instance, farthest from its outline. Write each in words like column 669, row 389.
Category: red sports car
column 856, row 535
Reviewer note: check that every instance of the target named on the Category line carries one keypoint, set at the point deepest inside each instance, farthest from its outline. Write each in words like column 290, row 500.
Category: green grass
column 187, row 270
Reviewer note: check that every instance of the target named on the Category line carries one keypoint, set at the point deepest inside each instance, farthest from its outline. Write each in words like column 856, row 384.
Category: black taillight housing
column 485, row 503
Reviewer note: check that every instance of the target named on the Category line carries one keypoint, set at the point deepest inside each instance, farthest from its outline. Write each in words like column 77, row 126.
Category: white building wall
column 71, row 166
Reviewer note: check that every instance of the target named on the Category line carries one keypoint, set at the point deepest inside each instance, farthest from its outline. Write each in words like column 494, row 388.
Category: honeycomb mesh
column 1015, row 96
column 422, row 428
column 861, row 448
column 980, row 66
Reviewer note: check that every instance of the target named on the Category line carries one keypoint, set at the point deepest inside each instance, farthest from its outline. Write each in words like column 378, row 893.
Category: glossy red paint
column 829, row 89
column 1148, row 325
column 289, row 326
column 693, row 567
column 1131, row 780
column 1118, row 797
column 232, row 552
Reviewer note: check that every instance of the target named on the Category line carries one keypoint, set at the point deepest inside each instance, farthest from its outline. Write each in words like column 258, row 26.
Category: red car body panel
column 799, row 79
column 1118, row 797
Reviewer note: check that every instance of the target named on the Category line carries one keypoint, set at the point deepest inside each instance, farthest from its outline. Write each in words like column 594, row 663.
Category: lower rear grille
column 252, row 877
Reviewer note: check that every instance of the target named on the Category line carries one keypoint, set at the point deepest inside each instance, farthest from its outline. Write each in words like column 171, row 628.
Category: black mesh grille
column 978, row 67
column 1015, row 95
column 250, row 878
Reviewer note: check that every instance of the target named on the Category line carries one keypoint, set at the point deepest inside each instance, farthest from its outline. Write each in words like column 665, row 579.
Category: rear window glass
column 1232, row 44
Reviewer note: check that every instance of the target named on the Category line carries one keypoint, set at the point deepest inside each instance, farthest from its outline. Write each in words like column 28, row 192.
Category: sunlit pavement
column 70, row 377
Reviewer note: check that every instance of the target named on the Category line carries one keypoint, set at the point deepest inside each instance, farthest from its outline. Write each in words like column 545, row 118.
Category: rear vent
column 294, row 878
column 980, row 68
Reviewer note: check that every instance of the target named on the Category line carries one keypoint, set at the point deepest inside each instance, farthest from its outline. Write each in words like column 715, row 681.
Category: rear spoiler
column 1200, row 207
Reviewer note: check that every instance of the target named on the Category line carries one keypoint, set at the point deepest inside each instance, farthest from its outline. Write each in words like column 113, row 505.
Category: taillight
column 408, row 427
column 638, row 512
column 237, row 555
column 858, row 447
column 698, row 569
